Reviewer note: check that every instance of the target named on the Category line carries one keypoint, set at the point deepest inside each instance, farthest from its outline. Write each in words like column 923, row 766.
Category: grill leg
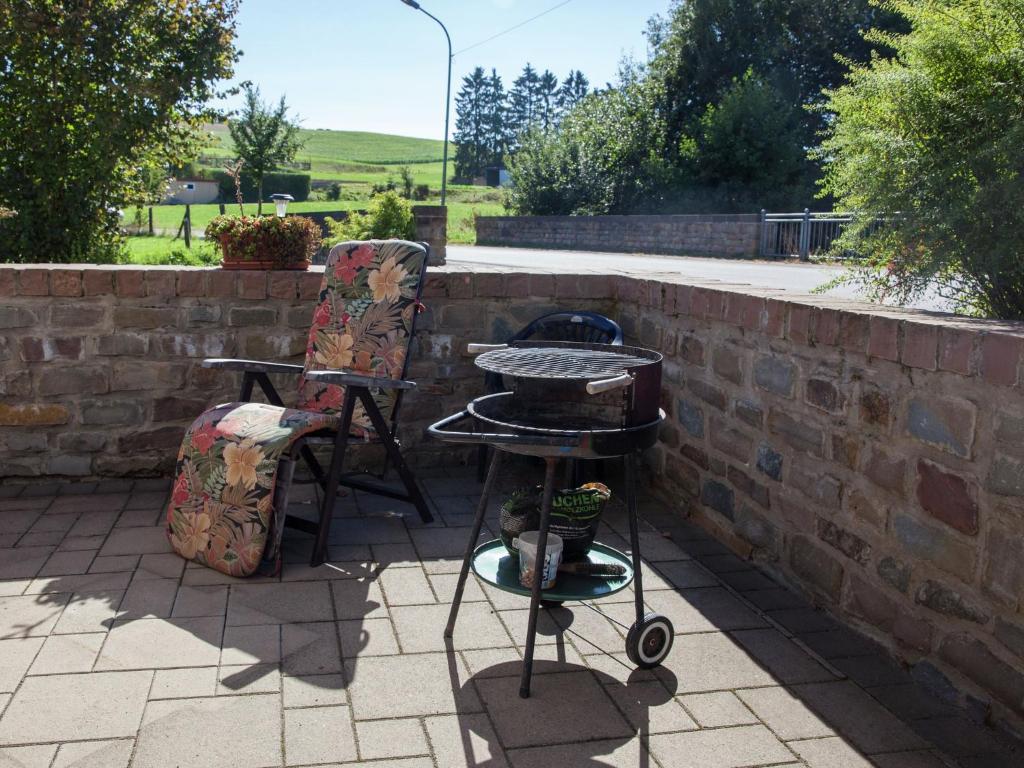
column 467, row 558
column 538, row 571
column 634, row 536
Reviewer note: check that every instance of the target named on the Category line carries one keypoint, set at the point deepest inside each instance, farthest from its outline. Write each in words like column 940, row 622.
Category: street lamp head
column 281, row 201
column 412, row 4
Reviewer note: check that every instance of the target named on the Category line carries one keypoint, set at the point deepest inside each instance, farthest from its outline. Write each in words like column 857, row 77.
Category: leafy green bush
column 98, row 99
column 606, row 157
column 930, row 143
column 266, row 238
column 389, row 216
column 749, row 148
column 405, row 173
column 201, row 256
column 421, row 192
column 381, row 187
column 334, row 191
column 295, row 184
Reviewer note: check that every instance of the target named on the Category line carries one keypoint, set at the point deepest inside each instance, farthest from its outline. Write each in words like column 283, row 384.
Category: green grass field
column 356, row 159
column 353, row 156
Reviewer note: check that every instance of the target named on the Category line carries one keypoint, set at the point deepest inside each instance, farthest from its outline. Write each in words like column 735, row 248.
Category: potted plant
column 265, row 242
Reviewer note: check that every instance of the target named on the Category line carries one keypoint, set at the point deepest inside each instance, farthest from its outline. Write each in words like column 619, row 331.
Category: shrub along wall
column 873, row 459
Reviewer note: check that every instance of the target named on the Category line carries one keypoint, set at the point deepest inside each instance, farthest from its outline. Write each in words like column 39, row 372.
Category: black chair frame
column 358, row 387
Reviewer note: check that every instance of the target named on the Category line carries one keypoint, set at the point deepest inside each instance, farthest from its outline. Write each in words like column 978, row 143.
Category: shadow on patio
column 114, row 651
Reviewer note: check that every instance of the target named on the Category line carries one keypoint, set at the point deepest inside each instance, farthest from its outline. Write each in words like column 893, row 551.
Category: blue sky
column 378, row 65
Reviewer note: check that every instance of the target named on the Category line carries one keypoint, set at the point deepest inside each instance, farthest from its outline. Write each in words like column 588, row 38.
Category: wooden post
column 151, row 221
column 188, row 225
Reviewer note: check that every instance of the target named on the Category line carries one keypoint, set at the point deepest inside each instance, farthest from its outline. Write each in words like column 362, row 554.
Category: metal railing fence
column 784, row 235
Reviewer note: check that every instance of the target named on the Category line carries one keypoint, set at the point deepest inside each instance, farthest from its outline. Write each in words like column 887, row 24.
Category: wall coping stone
column 696, row 218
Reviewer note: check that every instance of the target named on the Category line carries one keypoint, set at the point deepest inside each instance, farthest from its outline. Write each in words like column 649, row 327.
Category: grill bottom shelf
column 492, row 563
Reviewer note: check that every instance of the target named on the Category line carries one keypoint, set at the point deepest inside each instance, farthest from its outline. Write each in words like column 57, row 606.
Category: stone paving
column 115, row 652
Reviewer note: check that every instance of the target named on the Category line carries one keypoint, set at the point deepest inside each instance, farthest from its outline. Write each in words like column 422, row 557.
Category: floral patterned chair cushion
column 362, row 322
column 221, row 512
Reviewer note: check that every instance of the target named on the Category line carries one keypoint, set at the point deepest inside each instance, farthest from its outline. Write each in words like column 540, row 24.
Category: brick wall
column 872, row 458
column 100, row 366
column 708, row 235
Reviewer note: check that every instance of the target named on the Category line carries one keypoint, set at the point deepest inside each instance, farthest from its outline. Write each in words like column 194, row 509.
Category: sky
column 379, row 65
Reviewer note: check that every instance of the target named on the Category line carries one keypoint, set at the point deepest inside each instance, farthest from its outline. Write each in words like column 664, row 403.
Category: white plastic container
column 528, row 553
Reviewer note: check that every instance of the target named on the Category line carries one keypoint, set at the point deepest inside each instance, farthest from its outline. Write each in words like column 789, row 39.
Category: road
column 786, row 276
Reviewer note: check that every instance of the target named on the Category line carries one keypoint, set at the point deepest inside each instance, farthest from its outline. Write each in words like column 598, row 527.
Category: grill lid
column 565, row 360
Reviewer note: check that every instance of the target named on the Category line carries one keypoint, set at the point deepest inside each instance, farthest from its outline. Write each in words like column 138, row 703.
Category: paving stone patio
column 115, row 652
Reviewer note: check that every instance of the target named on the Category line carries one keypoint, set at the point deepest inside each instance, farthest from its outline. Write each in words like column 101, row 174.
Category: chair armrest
column 250, row 366
column 351, row 379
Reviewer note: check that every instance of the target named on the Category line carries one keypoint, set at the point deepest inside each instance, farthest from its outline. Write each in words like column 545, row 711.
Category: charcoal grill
column 567, row 400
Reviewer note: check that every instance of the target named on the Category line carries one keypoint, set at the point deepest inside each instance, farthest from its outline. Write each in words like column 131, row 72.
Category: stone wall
column 874, row 459
column 100, row 366
column 871, row 458
column 703, row 235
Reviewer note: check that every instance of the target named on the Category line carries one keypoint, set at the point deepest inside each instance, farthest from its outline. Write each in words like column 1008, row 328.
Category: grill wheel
column 649, row 641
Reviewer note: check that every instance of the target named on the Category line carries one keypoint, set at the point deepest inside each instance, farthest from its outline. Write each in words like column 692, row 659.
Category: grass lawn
column 143, row 249
column 460, row 214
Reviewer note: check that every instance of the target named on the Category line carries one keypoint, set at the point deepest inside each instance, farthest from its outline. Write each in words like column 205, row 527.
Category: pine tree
column 495, row 120
column 574, row 89
column 523, row 103
column 547, row 100
column 472, row 140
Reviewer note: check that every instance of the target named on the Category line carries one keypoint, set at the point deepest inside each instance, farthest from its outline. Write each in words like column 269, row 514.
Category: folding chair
column 236, row 463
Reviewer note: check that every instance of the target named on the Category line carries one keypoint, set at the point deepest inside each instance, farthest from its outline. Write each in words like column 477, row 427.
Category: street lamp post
column 447, row 95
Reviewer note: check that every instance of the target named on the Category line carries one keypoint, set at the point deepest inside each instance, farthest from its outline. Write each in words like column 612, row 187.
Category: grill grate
column 558, row 362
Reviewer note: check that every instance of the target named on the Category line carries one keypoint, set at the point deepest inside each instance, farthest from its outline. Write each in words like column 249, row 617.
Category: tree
column 926, row 147
column 95, row 98
column 547, row 100
column 471, row 130
column 264, row 137
column 607, row 156
column 523, row 102
column 495, row 119
column 573, row 90
column 747, row 151
column 799, row 46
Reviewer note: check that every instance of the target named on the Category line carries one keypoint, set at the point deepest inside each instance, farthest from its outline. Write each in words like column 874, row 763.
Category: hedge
column 295, row 184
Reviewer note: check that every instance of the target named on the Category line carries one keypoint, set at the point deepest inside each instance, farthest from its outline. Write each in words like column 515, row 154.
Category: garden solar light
column 281, row 203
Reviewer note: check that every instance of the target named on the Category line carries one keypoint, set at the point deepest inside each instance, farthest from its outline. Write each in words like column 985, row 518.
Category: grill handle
column 603, row 385
column 476, row 349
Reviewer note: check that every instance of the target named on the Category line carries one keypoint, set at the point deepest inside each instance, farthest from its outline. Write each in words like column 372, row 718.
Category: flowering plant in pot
column 265, row 242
